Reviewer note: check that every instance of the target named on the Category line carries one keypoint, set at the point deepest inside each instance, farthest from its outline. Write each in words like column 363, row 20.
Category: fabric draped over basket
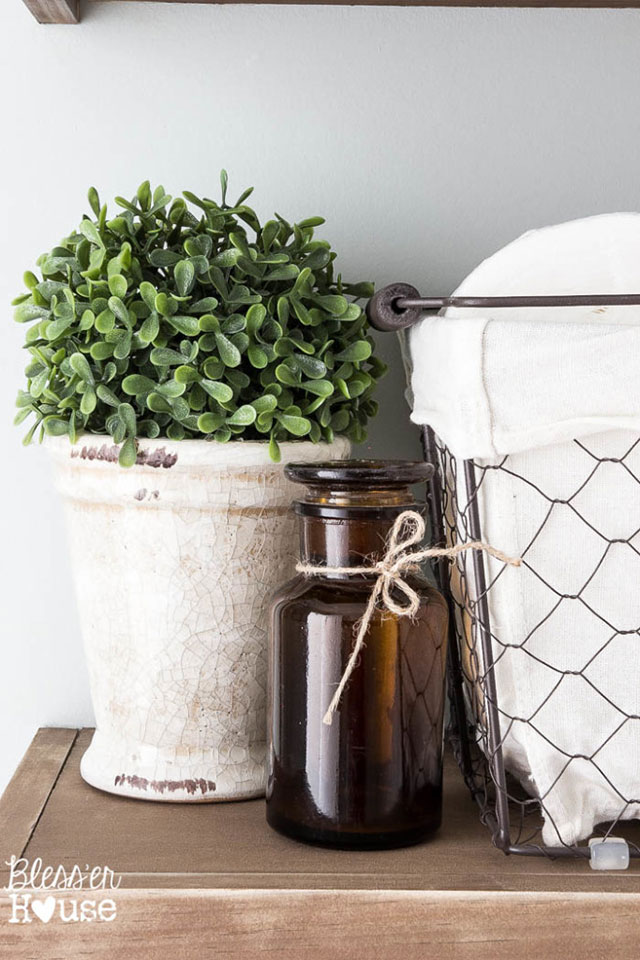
column 555, row 391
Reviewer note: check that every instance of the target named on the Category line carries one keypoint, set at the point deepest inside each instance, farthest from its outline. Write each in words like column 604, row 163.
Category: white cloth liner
column 526, row 383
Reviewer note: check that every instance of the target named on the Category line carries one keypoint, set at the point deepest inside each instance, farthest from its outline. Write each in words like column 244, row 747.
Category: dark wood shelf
column 68, row 11
column 212, row 880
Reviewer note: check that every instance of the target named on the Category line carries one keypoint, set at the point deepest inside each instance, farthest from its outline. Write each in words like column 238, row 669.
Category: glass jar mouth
column 355, row 474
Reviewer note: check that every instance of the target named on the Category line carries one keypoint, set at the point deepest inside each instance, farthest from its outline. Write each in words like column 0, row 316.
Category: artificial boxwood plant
column 162, row 322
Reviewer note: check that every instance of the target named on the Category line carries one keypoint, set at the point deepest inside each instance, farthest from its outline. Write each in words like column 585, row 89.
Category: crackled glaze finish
column 174, row 561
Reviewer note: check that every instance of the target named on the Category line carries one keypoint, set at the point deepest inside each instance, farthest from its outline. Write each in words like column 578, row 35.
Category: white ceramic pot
column 174, row 562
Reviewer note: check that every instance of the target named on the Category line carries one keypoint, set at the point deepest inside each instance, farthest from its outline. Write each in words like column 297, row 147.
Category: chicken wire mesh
column 481, row 725
column 594, row 525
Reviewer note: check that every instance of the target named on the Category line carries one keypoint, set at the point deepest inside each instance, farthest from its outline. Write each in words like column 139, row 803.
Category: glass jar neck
column 330, row 542
column 349, row 527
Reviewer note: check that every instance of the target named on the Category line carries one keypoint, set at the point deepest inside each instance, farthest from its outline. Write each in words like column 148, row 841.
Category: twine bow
column 396, row 562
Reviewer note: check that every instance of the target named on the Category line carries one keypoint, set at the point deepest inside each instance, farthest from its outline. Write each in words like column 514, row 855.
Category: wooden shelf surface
column 68, row 11
column 215, row 877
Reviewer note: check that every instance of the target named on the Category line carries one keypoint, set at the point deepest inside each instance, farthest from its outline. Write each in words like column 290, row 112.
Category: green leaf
column 219, row 391
column 311, row 366
column 80, row 365
column 189, row 326
column 255, row 318
column 107, row 396
column 128, row 453
column 149, row 329
column 209, row 323
column 304, row 316
column 274, row 450
column 29, row 436
column 209, row 422
column 285, row 375
column 185, row 374
column 144, row 195
column 264, row 404
column 229, row 353
column 257, row 357
column 200, row 246
column 101, row 351
column 123, row 346
column 87, row 320
column 94, row 200
column 264, row 422
column 269, row 233
column 205, row 305
column 158, row 404
column 119, row 310
column 55, row 427
column 332, row 304
column 184, row 275
column 171, row 389
column 340, row 420
column 88, row 401
column 128, row 416
column 164, row 357
column 179, row 408
column 29, row 311
column 322, row 388
column 213, row 368
column 353, row 312
column 164, row 258
column 226, row 258
column 355, row 352
column 118, row 285
column 56, row 328
column 150, row 428
column 105, row 321
column 287, row 272
column 89, row 230
column 298, row 426
column 283, row 310
column 343, row 388
column 243, row 416
column 148, row 293
column 135, row 384
column 22, row 414
column 162, row 304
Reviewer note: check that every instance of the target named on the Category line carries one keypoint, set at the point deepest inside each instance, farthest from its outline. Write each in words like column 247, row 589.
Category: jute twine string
column 396, row 562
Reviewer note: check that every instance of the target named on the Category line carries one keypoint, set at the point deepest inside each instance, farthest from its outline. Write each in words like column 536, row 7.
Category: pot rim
column 97, row 449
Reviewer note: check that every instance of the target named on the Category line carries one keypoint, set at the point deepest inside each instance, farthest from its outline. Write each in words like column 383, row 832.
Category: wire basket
column 480, row 724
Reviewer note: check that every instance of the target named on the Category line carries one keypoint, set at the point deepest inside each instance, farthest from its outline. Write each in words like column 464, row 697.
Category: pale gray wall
column 428, row 138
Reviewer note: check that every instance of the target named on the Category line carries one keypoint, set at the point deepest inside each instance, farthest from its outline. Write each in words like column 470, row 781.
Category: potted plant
column 176, row 358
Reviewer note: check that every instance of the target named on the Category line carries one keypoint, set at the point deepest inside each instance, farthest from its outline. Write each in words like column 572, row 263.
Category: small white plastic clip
column 608, row 853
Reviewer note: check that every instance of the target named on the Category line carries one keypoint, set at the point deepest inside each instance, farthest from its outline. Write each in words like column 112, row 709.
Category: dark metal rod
column 502, row 838
column 438, row 536
column 584, row 300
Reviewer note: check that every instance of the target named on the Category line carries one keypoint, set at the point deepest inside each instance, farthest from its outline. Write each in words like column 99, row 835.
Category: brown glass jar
column 373, row 778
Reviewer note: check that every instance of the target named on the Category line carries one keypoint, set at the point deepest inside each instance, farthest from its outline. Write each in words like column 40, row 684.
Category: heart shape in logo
column 44, row 908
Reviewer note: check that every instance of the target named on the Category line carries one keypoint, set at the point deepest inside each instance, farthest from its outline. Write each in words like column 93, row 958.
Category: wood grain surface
column 212, row 880
column 68, row 11
column 227, row 845
column 55, row 11
column 339, row 925
column 29, row 789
